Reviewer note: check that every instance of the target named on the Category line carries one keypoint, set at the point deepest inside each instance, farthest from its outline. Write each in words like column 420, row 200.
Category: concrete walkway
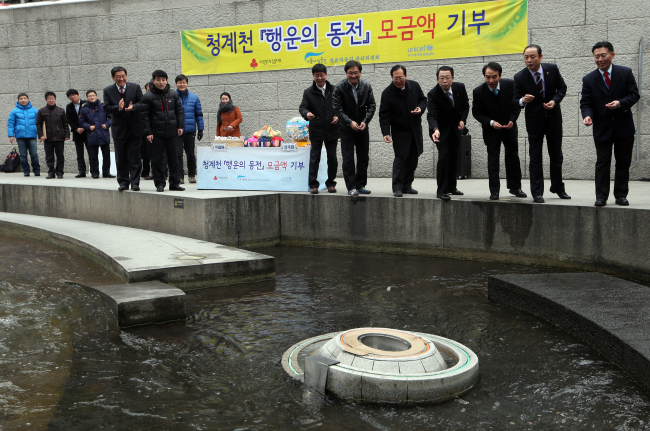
column 581, row 191
column 138, row 255
column 605, row 312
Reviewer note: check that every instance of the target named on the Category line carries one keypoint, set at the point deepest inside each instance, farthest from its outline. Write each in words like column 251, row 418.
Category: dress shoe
column 182, row 181
column 50, row 176
column 135, row 188
column 59, row 176
column 444, row 197
column 518, row 193
column 353, row 192
column 160, row 189
column 363, row 191
column 109, row 176
column 27, row 174
column 95, row 177
column 494, row 197
column 622, row 202
column 148, row 177
column 538, row 199
column 192, row 180
column 457, row 193
column 331, row 189
column 176, row 189
column 122, row 187
column 80, row 176
column 37, row 174
column 314, row 190
column 410, row 191
column 398, row 193
column 563, row 195
column 600, row 202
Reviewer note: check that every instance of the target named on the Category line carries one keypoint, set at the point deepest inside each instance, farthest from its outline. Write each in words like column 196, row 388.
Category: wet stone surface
column 64, row 365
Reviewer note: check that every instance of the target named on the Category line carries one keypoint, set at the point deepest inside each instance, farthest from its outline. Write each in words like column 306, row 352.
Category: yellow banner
column 463, row 30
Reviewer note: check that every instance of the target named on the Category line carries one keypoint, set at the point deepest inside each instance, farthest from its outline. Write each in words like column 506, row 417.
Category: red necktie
column 122, row 90
column 607, row 80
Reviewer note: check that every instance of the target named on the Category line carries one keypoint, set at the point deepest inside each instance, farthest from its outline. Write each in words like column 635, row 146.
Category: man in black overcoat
column 608, row 94
column 126, row 128
column 448, row 107
column 317, row 108
column 492, row 107
column 400, row 117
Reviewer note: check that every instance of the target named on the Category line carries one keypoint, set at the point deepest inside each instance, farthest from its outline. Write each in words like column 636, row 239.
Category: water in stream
column 64, row 365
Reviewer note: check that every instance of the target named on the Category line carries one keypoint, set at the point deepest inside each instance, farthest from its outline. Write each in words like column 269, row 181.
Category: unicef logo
column 429, row 47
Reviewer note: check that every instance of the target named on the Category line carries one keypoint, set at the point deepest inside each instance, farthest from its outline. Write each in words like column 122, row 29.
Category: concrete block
column 344, row 384
column 258, row 97
column 381, row 157
column 21, row 57
column 389, row 367
column 148, row 23
column 625, row 34
column 290, row 95
column 572, row 13
column 236, row 78
column 384, row 389
column 156, row 47
column 15, row 80
column 91, row 76
column 602, row 11
column 573, row 70
column 276, row 119
column 57, row 55
column 111, row 53
column 283, row 10
column 362, row 363
column 568, row 42
column 49, row 79
column 173, row 4
column 128, row 6
column 33, row 33
column 90, row 8
column 249, row 12
column 335, row 7
column 264, row 227
column 7, row 16
column 411, row 367
column 209, row 16
column 139, row 72
column 579, row 157
column 4, row 36
column 43, row 12
column 422, row 390
column 115, row 28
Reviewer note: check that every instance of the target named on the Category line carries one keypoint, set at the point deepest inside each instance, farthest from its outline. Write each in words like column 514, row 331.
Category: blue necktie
column 495, row 91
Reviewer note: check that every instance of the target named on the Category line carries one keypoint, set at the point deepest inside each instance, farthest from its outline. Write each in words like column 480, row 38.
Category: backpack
column 12, row 162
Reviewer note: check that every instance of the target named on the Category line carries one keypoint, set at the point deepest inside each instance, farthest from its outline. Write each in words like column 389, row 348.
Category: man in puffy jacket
column 193, row 127
column 163, row 121
column 52, row 127
column 96, row 125
column 21, row 127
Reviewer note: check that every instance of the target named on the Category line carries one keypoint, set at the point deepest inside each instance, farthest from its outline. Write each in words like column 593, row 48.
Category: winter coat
column 162, row 112
column 347, row 109
column 320, row 127
column 396, row 119
column 22, row 121
column 232, row 118
column 56, row 123
column 192, row 110
column 93, row 114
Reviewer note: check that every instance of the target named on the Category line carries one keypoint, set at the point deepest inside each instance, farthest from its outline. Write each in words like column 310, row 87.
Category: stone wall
column 61, row 45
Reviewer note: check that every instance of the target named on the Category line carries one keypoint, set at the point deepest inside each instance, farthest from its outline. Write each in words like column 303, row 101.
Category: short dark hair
column 603, row 44
column 50, row 93
column 90, row 91
column 352, row 63
column 537, row 47
column 318, row 67
column 148, row 84
column 159, row 74
column 182, row 77
column 396, row 68
column 22, row 94
column 494, row 66
column 441, row 68
column 225, row 93
column 70, row 92
column 117, row 69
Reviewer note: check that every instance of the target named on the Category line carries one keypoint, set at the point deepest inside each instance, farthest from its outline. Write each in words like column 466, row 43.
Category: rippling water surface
column 64, row 365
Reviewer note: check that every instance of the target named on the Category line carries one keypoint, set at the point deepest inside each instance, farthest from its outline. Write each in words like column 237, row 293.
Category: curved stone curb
column 607, row 313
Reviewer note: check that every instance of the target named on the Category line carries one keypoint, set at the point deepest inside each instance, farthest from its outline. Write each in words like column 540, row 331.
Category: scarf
column 225, row 107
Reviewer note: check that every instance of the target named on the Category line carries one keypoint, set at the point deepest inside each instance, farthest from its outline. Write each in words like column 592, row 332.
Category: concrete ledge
column 607, row 313
column 138, row 255
column 142, row 303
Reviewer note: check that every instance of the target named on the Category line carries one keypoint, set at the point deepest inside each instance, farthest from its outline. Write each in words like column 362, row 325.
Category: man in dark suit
column 126, row 128
column 317, row 108
column 78, row 133
column 608, row 94
column 539, row 88
column 492, row 107
column 448, row 106
column 400, row 115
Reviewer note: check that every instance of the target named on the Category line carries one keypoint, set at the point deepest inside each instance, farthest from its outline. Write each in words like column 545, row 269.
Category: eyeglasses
column 399, row 78
column 445, row 78
column 353, row 73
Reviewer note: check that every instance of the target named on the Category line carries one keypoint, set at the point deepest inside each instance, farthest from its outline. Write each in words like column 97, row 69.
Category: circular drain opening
column 384, row 342
column 191, row 257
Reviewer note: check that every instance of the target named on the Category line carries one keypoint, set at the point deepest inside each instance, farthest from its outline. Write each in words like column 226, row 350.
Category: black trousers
column 404, row 168
column 535, row 147
column 158, row 147
column 314, row 162
column 623, row 153
column 52, row 148
column 146, row 158
column 127, row 160
column 186, row 142
column 79, row 148
column 93, row 156
column 447, row 164
column 513, row 166
column 351, row 141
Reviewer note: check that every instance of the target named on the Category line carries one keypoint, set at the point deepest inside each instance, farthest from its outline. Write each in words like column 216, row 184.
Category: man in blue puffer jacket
column 21, row 126
column 193, row 127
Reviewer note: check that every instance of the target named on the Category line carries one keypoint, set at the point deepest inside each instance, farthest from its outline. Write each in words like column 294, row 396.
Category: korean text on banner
column 463, row 30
